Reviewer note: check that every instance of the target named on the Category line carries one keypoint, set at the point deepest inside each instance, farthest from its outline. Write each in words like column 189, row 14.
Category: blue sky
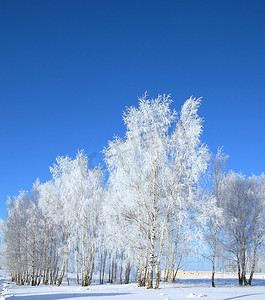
column 69, row 68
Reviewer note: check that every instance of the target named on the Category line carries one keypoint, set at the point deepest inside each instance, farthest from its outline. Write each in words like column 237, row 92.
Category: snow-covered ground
column 227, row 290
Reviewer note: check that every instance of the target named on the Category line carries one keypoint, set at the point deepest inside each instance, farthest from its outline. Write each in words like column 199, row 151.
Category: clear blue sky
column 69, row 68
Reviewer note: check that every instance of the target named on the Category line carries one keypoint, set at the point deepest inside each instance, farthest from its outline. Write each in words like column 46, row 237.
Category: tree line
column 165, row 198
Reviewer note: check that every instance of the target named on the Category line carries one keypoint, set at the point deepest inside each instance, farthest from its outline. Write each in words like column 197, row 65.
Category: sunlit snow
column 185, row 289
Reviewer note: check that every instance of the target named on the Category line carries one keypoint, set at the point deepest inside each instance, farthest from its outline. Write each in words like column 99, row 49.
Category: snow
column 186, row 289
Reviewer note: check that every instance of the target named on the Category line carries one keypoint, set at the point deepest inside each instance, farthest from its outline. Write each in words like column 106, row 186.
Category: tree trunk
column 144, row 273
column 240, row 279
column 127, row 273
column 77, row 264
column 46, row 256
column 65, row 261
column 109, row 268
column 100, row 268
column 112, row 269
column 213, row 273
column 139, row 278
column 243, row 262
column 157, row 274
column 121, row 268
column 115, row 270
column 214, row 255
column 178, row 266
column 253, row 265
column 61, row 275
column 104, row 265
column 150, row 268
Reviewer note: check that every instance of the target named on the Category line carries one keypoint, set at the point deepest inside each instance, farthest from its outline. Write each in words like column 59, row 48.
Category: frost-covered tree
column 148, row 216
column 243, row 203
column 55, row 225
column 71, row 201
column 152, row 171
column 14, row 238
column 187, row 160
column 51, row 209
column 22, row 239
column 213, row 210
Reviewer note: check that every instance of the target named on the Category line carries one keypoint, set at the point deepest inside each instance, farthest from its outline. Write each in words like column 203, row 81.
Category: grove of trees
column 161, row 196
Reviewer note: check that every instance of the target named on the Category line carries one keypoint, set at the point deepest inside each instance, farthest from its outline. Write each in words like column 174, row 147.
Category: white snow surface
column 227, row 290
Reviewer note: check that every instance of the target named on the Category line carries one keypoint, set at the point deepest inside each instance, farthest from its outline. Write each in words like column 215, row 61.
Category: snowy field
column 186, row 289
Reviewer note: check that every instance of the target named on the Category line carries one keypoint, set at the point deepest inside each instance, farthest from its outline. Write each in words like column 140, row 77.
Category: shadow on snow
column 243, row 296
column 66, row 296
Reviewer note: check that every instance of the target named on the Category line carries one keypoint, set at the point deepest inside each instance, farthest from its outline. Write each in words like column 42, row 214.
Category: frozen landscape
column 132, row 149
column 154, row 214
column 184, row 289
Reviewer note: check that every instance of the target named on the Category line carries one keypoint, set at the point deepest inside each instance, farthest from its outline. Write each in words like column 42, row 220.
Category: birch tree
column 15, row 252
column 213, row 208
column 75, row 193
column 243, row 200
column 159, row 161
column 186, row 161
